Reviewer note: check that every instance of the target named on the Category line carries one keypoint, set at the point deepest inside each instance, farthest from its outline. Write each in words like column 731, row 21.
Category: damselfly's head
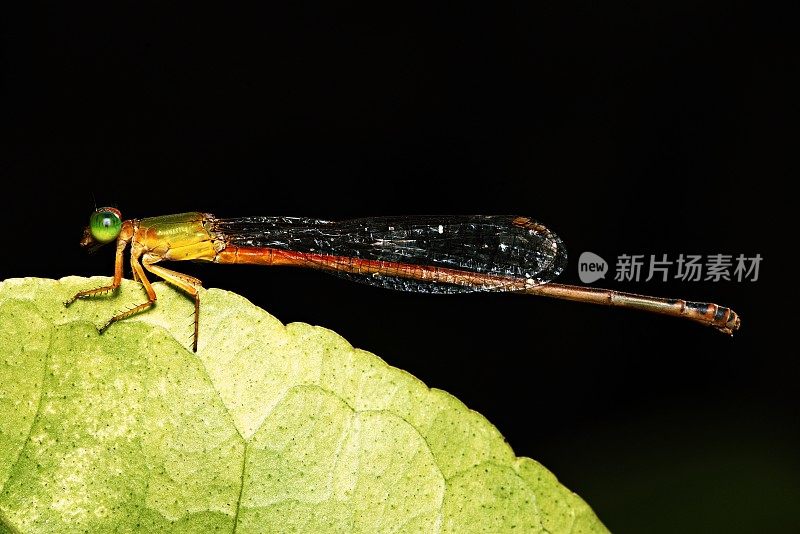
column 104, row 227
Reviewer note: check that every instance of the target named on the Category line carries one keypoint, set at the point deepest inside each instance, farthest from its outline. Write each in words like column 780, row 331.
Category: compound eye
column 105, row 225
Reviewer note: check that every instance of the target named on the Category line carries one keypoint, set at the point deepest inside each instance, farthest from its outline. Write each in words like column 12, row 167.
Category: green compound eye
column 105, row 225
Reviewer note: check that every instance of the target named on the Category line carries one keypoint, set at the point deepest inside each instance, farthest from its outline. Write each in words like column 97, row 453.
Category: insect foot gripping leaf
column 268, row 428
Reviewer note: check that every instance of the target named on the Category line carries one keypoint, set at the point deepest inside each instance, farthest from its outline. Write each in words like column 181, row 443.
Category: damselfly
column 427, row 254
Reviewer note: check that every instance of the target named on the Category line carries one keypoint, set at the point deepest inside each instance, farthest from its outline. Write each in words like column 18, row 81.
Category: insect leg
column 151, row 296
column 122, row 242
column 187, row 283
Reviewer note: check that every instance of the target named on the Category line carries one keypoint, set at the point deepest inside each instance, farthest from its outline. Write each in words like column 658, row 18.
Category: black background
column 643, row 129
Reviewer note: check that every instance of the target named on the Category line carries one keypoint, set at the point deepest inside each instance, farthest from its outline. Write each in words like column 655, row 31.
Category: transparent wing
column 432, row 254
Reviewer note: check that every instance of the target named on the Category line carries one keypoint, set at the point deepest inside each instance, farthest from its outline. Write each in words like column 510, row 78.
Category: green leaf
column 268, row 428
